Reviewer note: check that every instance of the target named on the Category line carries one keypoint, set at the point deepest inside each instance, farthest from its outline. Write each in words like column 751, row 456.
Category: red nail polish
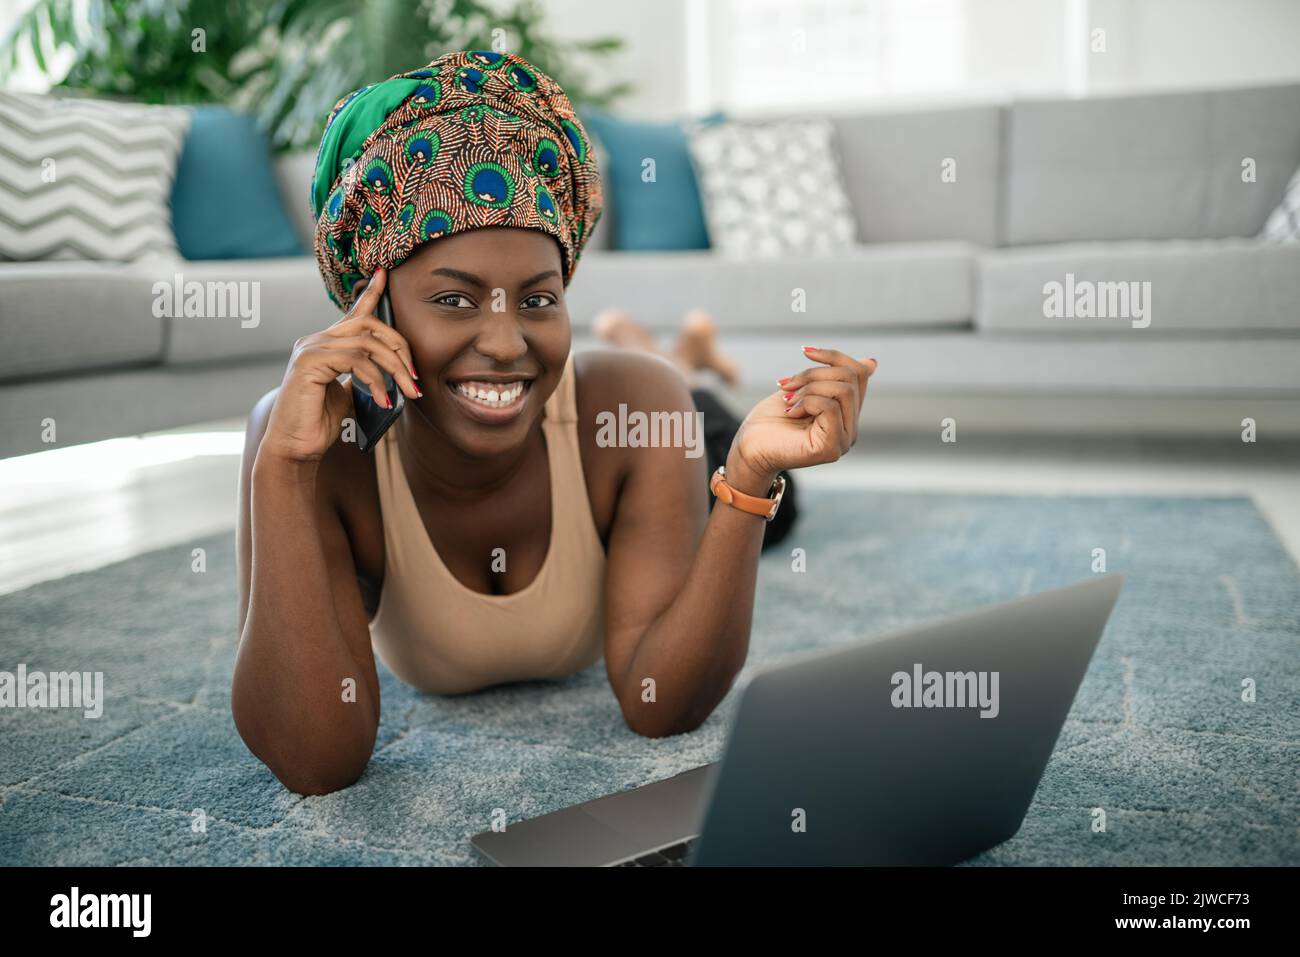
column 809, row 348
column 789, row 396
column 414, row 374
column 783, row 381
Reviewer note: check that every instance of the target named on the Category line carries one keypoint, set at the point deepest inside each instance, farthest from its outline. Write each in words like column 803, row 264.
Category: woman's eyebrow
column 468, row 277
column 548, row 274
column 474, row 280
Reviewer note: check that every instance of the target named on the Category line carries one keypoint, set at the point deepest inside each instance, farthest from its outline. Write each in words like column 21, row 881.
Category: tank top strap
column 562, row 406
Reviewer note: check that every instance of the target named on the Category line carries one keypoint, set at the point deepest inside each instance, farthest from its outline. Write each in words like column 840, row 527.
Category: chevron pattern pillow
column 1283, row 224
column 87, row 179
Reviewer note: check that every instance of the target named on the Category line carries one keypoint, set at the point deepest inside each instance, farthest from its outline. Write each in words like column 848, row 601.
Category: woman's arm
column 680, row 580
column 303, row 628
column 305, row 697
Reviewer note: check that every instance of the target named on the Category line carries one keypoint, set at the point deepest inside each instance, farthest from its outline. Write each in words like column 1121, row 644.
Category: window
column 772, row 55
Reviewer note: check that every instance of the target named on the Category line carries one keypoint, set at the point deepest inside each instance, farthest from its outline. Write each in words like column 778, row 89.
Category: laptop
column 923, row 747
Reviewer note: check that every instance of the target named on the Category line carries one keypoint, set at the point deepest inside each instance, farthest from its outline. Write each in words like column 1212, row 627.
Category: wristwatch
column 765, row 507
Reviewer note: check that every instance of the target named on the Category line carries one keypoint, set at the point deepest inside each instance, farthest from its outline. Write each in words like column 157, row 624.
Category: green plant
column 286, row 61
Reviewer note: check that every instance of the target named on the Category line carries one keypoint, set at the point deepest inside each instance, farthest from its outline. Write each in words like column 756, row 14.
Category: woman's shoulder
column 604, row 378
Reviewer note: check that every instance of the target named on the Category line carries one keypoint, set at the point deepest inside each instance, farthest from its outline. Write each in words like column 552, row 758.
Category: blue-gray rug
column 1159, row 736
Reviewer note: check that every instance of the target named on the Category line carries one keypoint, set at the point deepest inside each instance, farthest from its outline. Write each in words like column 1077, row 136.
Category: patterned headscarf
column 474, row 139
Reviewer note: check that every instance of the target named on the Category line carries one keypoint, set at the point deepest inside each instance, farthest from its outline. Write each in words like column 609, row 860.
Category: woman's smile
column 491, row 401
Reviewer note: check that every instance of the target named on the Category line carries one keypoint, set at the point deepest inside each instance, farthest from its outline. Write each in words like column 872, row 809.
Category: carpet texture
column 1158, row 737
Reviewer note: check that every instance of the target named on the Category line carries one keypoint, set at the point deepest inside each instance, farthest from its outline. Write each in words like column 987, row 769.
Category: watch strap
column 753, row 504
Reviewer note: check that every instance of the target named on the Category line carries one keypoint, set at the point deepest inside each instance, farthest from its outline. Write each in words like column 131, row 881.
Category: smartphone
column 372, row 418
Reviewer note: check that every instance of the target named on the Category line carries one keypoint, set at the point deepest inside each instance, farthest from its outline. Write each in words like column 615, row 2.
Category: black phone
column 372, row 418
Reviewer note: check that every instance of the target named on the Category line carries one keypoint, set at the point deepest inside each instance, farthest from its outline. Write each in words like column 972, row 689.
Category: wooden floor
column 70, row 510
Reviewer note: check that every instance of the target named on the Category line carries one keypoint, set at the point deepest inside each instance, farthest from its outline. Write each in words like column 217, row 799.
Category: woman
column 490, row 536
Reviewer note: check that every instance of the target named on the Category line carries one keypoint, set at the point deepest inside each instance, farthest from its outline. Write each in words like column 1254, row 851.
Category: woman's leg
column 697, row 347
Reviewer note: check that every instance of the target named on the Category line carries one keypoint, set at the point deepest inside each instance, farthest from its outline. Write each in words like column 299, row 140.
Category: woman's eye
column 452, row 299
column 547, row 299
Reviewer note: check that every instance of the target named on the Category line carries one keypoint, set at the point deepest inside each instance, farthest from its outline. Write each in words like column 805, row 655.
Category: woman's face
column 484, row 311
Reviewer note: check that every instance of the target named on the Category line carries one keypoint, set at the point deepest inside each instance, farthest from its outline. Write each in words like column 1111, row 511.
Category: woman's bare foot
column 618, row 328
column 697, row 346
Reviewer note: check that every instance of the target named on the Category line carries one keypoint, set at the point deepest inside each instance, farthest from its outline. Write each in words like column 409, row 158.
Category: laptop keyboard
column 675, row 855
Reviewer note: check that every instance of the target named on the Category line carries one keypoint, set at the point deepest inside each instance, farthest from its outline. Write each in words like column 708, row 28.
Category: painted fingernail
column 789, row 396
column 419, row 392
column 414, row 374
column 783, row 381
column 809, row 348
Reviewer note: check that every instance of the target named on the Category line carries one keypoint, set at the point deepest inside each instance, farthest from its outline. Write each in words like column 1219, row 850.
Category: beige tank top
column 441, row 636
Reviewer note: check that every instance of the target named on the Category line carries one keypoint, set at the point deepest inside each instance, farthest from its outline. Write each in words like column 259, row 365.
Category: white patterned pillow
column 771, row 188
column 1283, row 224
column 87, row 179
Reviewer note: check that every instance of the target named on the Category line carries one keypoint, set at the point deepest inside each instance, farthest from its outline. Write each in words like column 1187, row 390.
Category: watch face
column 779, row 486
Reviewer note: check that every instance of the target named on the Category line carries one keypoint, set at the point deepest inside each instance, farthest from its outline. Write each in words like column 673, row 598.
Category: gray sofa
column 945, row 286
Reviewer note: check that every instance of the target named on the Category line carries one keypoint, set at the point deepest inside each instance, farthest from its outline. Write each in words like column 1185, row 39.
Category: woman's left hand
column 817, row 423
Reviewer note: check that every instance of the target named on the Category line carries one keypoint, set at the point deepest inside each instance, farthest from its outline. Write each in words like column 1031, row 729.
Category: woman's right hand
column 311, row 405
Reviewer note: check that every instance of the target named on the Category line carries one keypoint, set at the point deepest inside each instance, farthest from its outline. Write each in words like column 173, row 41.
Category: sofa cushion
column 225, row 201
column 902, row 185
column 662, row 214
column 247, row 307
column 1262, row 125
column 68, row 317
column 1167, row 166
column 293, row 173
column 602, row 234
column 1195, row 286
column 907, row 285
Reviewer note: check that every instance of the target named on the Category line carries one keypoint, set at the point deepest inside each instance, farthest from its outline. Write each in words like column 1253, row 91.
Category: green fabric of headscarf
column 360, row 116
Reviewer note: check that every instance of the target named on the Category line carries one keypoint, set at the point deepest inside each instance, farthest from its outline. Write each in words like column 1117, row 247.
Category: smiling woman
column 491, row 537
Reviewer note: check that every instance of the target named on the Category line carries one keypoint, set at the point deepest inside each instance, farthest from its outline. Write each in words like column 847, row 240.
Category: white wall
column 1011, row 48
column 1172, row 44
column 653, row 56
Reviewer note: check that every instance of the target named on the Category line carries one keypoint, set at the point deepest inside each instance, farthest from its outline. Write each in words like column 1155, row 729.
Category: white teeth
column 489, row 394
